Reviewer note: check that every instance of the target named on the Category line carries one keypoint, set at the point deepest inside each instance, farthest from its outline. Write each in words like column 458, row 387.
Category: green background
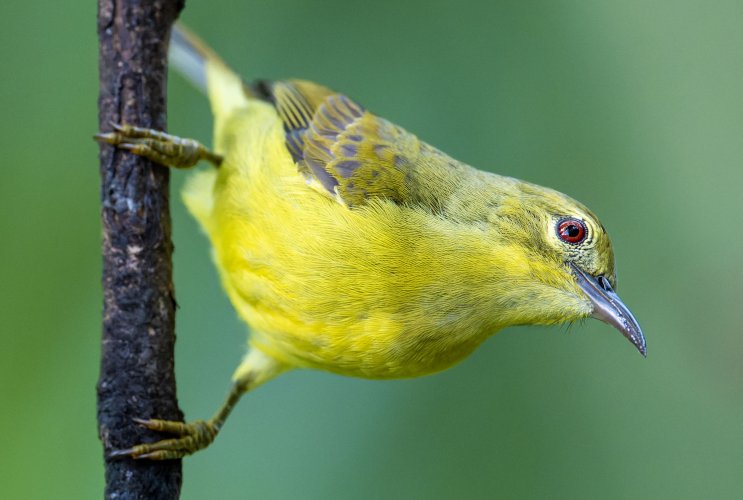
column 633, row 107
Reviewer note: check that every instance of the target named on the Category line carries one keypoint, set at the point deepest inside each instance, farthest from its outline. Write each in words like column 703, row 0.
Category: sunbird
column 349, row 245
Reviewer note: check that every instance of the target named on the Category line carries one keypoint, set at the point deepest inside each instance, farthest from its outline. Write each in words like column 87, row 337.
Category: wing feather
column 349, row 153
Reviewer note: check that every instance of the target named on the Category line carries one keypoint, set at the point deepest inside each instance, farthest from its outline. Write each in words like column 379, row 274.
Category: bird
column 349, row 245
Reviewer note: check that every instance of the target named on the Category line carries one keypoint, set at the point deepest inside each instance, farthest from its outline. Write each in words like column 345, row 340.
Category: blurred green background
column 633, row 107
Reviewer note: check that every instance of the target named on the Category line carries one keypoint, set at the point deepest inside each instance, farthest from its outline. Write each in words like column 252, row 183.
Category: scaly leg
column 255, row 369
column 192, row 437
column 166, row 149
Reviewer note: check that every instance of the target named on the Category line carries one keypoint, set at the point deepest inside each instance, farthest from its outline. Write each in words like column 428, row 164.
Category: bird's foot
column 192, row 437
column 166, row 149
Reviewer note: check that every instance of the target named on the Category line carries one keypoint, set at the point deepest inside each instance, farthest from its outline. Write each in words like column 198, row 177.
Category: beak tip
column 639, row 343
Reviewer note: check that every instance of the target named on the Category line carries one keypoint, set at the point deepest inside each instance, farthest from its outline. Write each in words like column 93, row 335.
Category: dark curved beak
column 609, row 308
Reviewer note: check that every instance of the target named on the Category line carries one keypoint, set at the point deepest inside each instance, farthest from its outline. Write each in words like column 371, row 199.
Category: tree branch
column 136, row 378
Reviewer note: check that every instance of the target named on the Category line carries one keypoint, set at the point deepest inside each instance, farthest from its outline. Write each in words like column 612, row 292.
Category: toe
column 169, row 426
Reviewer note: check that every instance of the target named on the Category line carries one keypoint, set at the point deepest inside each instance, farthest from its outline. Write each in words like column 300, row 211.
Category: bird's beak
column 609, row 308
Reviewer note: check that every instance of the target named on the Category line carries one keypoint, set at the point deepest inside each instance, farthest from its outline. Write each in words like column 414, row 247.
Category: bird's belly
column 378, row 333
column 378, row 346
column 328, row 328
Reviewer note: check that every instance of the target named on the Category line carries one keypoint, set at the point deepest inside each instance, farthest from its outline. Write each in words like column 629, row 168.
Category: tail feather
column 188, row 58
column 200, row 65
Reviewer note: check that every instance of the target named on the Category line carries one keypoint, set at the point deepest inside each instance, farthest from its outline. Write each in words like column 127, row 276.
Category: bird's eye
column 571, row 230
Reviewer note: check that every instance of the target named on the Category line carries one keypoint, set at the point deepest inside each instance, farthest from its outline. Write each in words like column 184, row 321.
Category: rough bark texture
column 136, row 378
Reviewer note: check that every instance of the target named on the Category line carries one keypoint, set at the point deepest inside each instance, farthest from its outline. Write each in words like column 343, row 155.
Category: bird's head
column 568, row 261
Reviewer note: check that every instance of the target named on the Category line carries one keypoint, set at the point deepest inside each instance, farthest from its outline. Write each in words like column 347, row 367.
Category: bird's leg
column 166, row 149
column 255, row 369
column 191, row 437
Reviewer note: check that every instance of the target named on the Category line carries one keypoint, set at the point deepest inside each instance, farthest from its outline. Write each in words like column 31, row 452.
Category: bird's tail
column 200, row 65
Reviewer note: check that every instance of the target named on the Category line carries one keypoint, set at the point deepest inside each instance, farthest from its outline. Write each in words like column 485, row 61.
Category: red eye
column 571, row 230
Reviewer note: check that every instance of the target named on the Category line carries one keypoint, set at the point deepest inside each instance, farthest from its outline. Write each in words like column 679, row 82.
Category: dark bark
column 136, row 378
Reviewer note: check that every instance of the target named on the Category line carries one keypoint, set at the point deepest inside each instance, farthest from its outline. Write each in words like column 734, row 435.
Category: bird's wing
column 340, row 147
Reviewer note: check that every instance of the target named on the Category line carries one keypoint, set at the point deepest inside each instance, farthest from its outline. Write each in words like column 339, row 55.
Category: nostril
column 604, row 283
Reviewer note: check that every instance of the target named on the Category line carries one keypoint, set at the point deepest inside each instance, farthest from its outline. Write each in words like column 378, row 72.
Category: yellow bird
column 349, row 245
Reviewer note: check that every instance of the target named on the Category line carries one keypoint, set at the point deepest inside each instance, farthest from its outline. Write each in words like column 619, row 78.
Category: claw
column 108, row 138
column 128, row 452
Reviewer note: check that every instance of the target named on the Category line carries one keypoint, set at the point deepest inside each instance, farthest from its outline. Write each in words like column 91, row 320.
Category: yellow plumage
column 350, row 246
